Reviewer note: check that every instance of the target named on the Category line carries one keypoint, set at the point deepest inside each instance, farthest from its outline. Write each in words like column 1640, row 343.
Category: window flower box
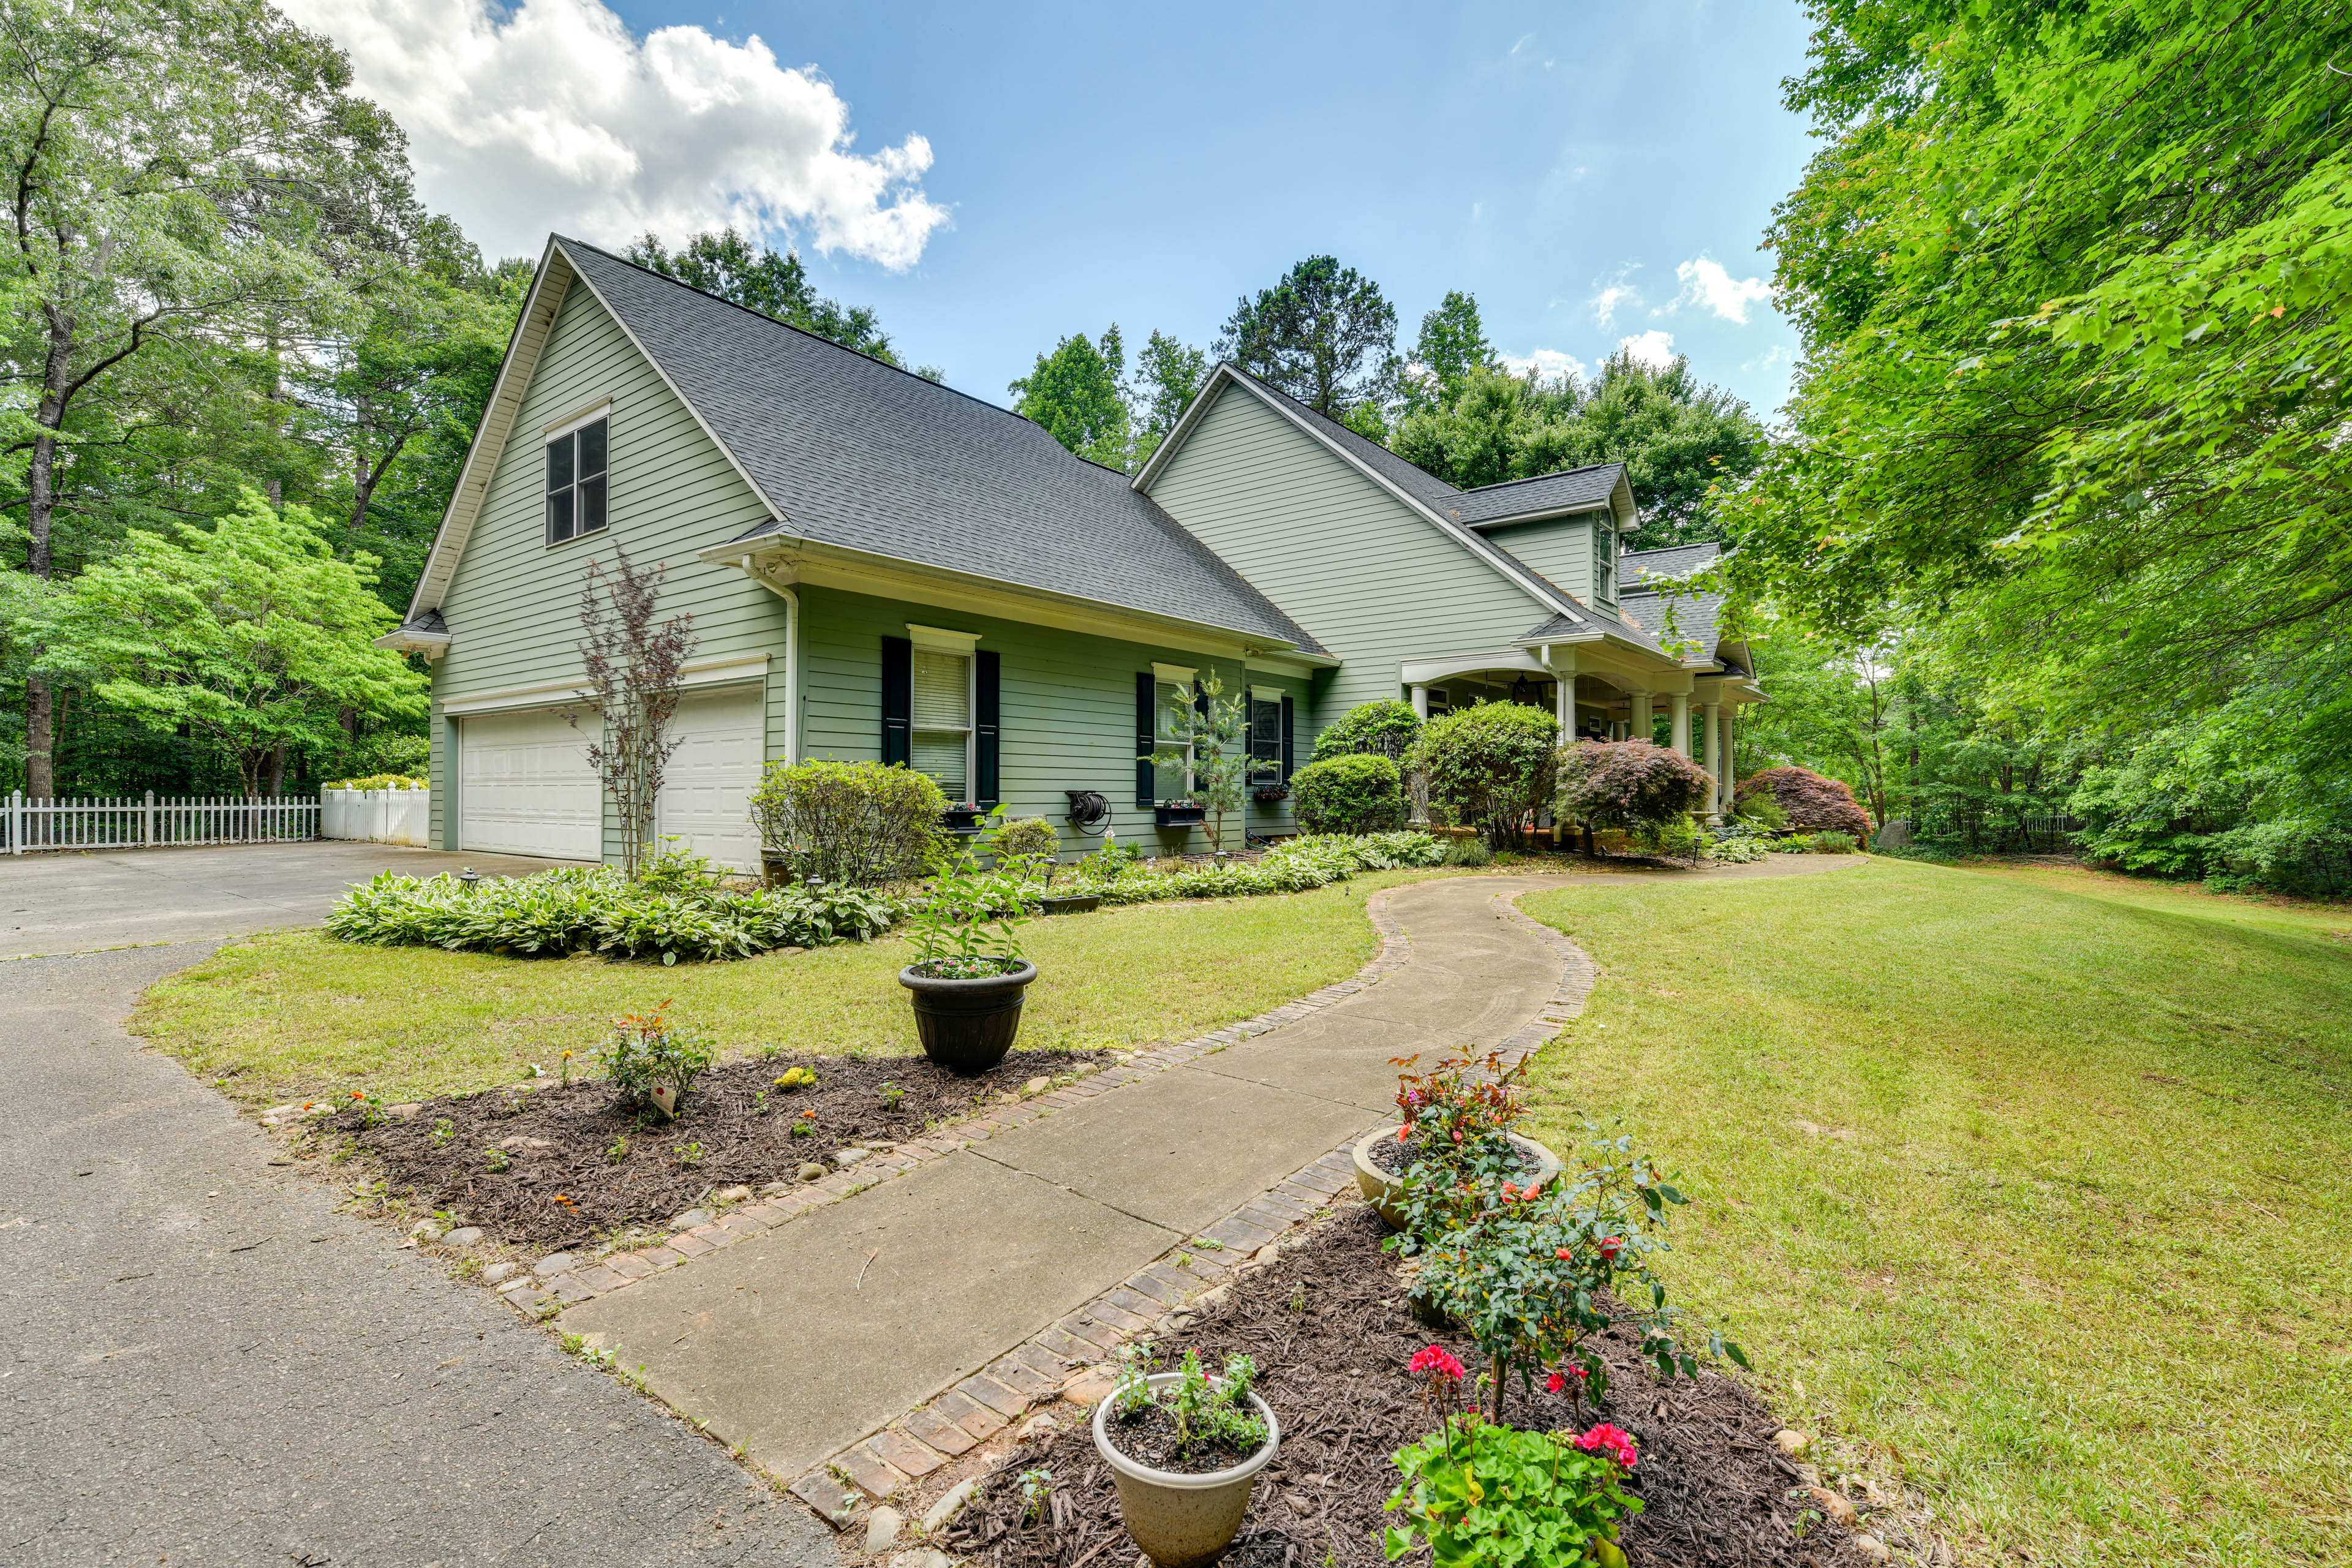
column 1268, row 793
column 1179, row 814
column 962, row 818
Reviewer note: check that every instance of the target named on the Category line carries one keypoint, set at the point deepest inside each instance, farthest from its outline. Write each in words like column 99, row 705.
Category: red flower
column 1404, row 1134
column 1562, row 1253
column 1510, row 1192
column 1555, row 1382
column 1531, row 1191
column 1610, row 1245
column 1617, row 1443
column 1438, row 1360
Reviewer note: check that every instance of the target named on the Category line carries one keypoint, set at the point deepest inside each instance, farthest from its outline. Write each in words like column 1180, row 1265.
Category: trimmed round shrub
column 1378, row 729
column 1629, row 784
column 858, row 823
column 1489, row 765
column 1027, row 845
column 1809, row 803
column 1351, row 792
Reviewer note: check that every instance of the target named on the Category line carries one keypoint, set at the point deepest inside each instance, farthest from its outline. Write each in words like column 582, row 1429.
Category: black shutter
column 1147, row 702
column 985, row 675
column 897, row 700
column 1288, row 721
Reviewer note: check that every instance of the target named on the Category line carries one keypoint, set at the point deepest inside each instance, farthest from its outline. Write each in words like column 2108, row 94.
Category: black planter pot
column 1179, row 816
column 960, row 818
column 967, row 1026
column 1070, row 903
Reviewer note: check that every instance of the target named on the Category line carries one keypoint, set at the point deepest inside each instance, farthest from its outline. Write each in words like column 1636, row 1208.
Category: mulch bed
column 1714, row 1491
column 558, row 1140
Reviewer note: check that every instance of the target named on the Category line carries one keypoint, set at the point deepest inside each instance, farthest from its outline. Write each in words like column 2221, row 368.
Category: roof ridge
column 1554, row 474
column 803, row 332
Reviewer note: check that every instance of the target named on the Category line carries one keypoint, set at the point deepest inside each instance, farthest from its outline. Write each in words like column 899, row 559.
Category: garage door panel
column 525, row 788
column 707, row 789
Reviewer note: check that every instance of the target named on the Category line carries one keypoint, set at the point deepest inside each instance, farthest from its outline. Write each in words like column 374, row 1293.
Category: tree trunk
column 278, row 769
column 40, row 740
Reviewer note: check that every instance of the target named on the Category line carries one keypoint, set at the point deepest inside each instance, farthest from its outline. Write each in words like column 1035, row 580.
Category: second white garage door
column 706, row 800
column 524, row 787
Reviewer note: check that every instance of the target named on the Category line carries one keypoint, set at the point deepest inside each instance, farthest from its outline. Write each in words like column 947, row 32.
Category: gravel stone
column 554, row 1263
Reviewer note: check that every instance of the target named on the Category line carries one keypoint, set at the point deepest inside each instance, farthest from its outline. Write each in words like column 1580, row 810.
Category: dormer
column 1567, row 526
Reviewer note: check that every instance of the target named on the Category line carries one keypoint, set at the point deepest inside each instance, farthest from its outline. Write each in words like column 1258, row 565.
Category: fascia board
column 837, row 566
column 488, row 445
column 1454, row 530
column 1194, row 412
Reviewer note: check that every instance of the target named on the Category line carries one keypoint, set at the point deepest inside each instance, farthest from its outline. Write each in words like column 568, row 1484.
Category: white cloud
column 1653, row 347
column 550, row 114
column 1706, row 285
column 1616, row 293
column 1777, row 354
column 1548, row 363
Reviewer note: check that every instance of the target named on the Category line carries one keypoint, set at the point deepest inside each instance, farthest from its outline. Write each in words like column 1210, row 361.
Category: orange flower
column 809, row 1114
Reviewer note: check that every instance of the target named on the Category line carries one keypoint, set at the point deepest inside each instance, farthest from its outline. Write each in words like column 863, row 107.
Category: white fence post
column 15, row 822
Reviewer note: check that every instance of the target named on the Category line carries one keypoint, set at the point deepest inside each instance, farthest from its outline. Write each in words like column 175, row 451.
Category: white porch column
column 1714, row 734
column 1640, row 716
column 1678, row 706
column 1421, row 702
column 1730, row 779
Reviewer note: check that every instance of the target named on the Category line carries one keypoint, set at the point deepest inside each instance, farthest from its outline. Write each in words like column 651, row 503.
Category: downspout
column 792, row 599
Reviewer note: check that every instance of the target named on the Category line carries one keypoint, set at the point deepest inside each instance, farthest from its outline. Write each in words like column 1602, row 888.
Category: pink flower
column 1457, row 1135
column 1613, row 1440
column 1555, row 1382
column 1404, row 1134
column 1437, row 1360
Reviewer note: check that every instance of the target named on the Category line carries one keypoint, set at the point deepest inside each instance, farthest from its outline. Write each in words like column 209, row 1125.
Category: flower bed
column 1333, row 1337
column 559, row 1181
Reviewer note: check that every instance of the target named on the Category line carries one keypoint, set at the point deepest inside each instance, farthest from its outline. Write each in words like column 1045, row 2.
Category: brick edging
column 1067, row 1359
column 540, row 1296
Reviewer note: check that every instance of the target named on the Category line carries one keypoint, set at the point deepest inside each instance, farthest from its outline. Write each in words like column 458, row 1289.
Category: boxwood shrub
column 1354, row 792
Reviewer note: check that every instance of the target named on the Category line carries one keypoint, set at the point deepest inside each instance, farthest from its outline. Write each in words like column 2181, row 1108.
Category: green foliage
column 1758, row 807
column 647, row 1052
column 777, row 285
column 1296, row 866
column 1348, row 793
column 1214, row 737
column 1450, row 350
column 1674, row 839
column 1026, row 847
column 1683, row 442
column 858, row 823
column 964, row 921
column 598, row 909
column 1203, row 1412
column 1075, row 393
column 1489, row 765
column 1468, row 853
column 383, row 781
column 678, row 870
column 251, row 632
column 1485, row 1496
column 1168, row 373
column 1387, row 728
column 1832, row 844
column 1324, row 334
column 1808, row 801
column 2192, row 803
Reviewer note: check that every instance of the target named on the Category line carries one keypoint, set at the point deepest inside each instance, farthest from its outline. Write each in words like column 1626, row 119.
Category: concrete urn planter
column 1180, row 1520
column 967, row 1026
column 1386, row 1193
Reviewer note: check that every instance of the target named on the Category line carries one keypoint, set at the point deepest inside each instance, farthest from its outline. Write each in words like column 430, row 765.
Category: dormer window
column 1604, row 539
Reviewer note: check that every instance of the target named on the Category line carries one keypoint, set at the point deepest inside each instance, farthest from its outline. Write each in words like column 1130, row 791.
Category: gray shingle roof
column 1644, row 613
column 1546, row 495
column 863, row 457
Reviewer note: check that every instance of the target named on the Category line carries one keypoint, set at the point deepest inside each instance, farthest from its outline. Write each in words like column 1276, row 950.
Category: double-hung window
column 1265, row 736
column 1604, row 544
column 576, row 481
column 941, row 723
column 1173, row 733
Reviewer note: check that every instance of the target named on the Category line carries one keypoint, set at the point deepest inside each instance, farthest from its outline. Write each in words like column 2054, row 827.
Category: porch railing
column 126, row 821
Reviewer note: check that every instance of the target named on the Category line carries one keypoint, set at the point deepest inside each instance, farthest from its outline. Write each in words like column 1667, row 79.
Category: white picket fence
column 376, row 816
column 128, row 823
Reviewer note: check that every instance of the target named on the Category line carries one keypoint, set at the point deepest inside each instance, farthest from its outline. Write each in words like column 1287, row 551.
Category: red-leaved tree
column 1811, row 803
column 633, row 668
column 1629, row 784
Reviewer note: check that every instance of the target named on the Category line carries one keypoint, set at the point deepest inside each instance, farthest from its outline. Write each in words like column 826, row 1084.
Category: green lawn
column 292, row 1014
column 2080, row 1271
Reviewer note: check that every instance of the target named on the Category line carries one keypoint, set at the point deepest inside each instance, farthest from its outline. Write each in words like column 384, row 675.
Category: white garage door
column 707, row 793
column 524, row 787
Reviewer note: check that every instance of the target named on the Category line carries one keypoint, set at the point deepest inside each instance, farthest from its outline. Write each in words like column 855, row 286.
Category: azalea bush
column 1808, row 801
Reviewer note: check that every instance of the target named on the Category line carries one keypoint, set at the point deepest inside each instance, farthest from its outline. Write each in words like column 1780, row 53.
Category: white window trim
column 939, row 639
column 601, row 409
column 964, row 646
column 549, row 437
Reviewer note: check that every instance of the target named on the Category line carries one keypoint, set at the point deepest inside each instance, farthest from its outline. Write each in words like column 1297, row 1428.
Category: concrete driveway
column 85, row 900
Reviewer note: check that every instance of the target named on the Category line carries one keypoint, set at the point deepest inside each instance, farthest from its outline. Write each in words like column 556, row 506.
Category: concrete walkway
column 86, row 900
column 800, row 1341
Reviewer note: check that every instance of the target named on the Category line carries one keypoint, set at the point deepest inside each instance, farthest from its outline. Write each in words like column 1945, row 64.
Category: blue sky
column 990, row 180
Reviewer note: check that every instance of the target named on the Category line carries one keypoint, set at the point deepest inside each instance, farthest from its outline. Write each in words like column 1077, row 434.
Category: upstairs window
column 1605, row 539
column 575, row 482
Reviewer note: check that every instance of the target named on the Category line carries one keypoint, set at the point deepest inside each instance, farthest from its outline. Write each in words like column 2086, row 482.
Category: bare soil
column 1331, row 1333
column 581, row 1165
column 1149, row 1438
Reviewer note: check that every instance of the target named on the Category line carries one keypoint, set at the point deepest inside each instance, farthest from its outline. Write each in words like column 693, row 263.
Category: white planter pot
column 1180, row 1520
column 1386, row 1193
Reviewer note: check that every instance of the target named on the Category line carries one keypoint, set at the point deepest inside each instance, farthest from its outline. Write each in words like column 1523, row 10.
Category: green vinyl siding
column 513, row 605
column 1371, row 580
column 1559, row 549
column 1066, row 707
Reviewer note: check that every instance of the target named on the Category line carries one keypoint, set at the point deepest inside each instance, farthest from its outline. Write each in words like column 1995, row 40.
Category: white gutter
column 791, row 598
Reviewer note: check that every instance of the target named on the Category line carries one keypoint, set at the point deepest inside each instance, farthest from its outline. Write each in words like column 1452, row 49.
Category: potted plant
column 1053, row 903
column 1457, row 1124
column 963, row 817
column 1268, row 793
column 968, row 978
column 1184, row 1450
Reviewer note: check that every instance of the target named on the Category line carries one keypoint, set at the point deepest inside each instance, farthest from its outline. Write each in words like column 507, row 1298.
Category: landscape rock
column 928, row 1557
column 734, row 1194
column 1839, row 1510
column 1038, row 1426
column 775, row 1189
column 464, row 1236
column 426, row 1230
column 498, row 1272
column 1266, row 1254
column 1789, row 1441
column 946, row 1508
column 554, row 1263
column 882, row 1527
column 845, row 1157
column 1036, row 1086
column 404, row 1113
column 1870, row 1546
column 690, row 1218
column 811, row 1171
column 1089, row 1386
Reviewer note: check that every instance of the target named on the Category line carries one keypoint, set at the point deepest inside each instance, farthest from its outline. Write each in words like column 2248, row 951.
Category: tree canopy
column 774, row 283
column 1077, row 394
column 1324, row 334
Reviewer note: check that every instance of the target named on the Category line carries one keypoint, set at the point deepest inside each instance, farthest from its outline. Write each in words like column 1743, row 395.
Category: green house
column 880, row 567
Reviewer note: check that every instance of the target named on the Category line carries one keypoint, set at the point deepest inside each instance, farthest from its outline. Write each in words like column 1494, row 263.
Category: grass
column 2065, row 1242
column 289, row 1015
